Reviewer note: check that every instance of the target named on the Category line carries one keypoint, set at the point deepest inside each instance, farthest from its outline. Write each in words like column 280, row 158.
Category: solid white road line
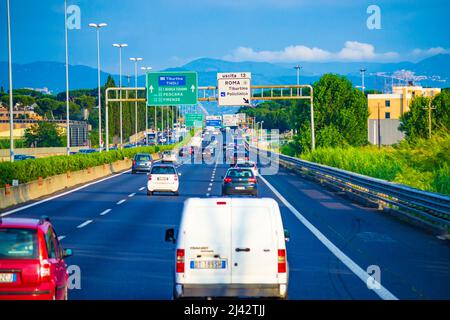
column 7, row 213
column 382, row 292
column 84, row 224
column 105, row 212
column 61, row 238
column 140, row 189
column 121, row 201
column 131, row 195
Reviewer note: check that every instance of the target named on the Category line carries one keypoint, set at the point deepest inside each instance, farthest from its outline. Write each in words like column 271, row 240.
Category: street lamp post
column 67, row 77
column 297, row 67
column 363, row 73
column 11, row 107
column 98, row 27
column 120, row 46
column 147, row 69
column 136, row 60
column 261, row 132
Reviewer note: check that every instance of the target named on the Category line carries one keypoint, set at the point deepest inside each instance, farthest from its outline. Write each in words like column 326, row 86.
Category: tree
column 414, row 123
column 47, row 107
column 44, row 134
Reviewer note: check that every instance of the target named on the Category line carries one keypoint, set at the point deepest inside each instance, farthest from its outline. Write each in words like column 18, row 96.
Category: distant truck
column 151, row 138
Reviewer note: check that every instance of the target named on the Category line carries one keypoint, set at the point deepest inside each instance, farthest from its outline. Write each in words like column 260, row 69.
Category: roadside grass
column 424, row 164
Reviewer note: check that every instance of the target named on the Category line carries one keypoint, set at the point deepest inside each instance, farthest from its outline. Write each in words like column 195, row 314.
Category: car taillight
column 134, row 162
column 227, row 180
column 175, row 177
column 282, row 261
column 45, row 270
column 180, row 261
column 149, row 177
column 252, row 180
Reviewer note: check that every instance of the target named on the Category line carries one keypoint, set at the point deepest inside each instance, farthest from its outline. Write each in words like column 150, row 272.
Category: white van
column 230, row 247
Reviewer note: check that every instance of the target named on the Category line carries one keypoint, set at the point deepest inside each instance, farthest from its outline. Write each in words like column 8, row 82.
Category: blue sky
column 172, row 32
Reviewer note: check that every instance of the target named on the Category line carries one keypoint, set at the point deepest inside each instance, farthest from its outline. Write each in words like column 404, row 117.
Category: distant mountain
column 433, row 71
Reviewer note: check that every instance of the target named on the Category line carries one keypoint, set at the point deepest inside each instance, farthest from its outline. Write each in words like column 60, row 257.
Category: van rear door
column 254, row 243
column 206, row 237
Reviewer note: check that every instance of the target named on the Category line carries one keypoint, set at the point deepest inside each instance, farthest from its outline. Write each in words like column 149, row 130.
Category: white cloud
column 422, row 53
column 352, row 51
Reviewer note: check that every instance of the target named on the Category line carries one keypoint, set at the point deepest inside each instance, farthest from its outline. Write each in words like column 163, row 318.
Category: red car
column 32, row 263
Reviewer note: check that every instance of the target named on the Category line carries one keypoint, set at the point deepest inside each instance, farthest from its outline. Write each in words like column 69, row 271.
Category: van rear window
column 18, row 244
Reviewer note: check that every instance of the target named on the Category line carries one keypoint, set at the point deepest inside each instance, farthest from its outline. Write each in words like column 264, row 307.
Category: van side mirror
column 170, row 235
column 68, row 253
column 287, row 235
column 179, row 174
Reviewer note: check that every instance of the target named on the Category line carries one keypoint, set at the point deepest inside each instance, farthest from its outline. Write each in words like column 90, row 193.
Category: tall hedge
column 33, row 169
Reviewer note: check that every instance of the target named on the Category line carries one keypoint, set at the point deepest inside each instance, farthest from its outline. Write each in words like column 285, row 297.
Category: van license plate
column 240, row 188
column 209, row 264
column 7, row 277
column 163, row 179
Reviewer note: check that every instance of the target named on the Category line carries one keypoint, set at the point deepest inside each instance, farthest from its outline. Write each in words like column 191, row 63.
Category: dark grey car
column 240, row 182
column 142, row 162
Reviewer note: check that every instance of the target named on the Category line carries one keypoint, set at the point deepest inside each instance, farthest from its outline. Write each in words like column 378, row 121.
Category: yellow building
column 388, row 107
column 393, row 105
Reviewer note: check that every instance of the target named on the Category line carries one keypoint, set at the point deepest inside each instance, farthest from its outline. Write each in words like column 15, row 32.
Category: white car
column 163, row 178
column 248, row 165
column 230, row 247
column 169, row 156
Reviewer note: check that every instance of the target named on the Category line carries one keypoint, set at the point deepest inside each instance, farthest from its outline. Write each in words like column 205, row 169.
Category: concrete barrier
column 11, row 196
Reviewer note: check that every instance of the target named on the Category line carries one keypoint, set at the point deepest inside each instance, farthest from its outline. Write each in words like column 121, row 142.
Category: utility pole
column 429, row 108
column 379, row 127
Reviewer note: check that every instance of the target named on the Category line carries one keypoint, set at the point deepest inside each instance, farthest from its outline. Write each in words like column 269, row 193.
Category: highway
column 117, row 234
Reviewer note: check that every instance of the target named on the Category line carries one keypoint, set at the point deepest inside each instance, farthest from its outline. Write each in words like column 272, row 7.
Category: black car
column 20, row 157
column 240, row 182
column 142, row 162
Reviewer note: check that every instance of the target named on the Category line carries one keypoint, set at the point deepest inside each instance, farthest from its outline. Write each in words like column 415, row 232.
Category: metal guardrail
column 431, row 208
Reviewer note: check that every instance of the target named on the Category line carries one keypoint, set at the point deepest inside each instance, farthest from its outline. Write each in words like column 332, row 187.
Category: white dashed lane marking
column 84, row 224
column 131, row 195
column 61, row 238
column 121, row 201
column 140, row 189
column 105, row 212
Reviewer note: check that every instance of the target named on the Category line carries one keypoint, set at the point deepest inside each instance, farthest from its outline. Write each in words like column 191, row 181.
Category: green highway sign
column 194, row 120
column 172, row 88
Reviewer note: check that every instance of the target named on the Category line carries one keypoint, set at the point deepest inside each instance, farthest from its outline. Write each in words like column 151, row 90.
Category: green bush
column 30, row 170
